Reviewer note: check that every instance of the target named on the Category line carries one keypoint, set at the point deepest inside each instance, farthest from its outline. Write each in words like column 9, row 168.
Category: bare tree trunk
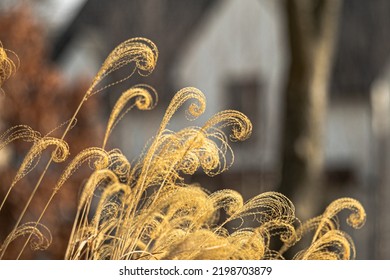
column 312, row 28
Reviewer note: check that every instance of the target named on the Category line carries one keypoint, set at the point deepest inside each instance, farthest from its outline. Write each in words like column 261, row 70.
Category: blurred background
column 313, row 76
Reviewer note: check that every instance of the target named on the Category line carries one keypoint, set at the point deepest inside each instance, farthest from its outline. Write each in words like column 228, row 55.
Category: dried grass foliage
column 146, row 210
column 7, row 65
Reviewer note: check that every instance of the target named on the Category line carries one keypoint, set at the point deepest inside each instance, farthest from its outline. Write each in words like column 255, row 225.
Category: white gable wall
column 237, row 40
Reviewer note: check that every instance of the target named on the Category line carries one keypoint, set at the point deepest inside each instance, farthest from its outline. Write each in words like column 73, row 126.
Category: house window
column 243, row 96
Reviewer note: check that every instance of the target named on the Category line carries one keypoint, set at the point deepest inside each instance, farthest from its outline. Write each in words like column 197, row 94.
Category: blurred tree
column 312, row 26
column 37, row 96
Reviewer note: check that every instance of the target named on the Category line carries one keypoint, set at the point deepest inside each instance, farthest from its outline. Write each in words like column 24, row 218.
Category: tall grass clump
column 145, row 209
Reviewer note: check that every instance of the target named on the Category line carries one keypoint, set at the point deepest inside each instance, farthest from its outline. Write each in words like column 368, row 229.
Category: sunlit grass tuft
column 146, row 210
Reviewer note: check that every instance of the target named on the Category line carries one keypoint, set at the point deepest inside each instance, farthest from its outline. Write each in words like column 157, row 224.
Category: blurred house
column 239, row 57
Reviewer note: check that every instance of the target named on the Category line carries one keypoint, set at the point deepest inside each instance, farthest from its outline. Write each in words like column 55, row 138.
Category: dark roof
column 361, row 53
column 167, row 23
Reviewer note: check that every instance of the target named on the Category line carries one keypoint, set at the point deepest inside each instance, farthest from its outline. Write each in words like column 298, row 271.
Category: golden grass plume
column 7, row 65
column 146, row 210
